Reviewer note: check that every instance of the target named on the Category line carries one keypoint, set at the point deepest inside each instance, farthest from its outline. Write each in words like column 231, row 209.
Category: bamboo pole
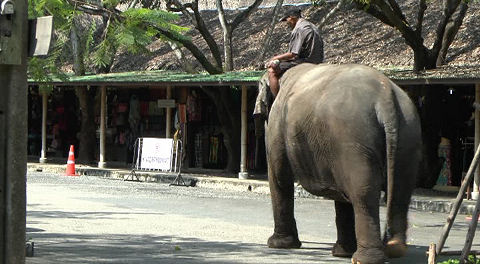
column 458, row 201
column 474, row 222
column 470, row 234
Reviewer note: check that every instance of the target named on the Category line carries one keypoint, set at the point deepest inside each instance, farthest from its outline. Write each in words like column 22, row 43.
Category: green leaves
column 472, row 259
column 128, row 31
column 134, row 31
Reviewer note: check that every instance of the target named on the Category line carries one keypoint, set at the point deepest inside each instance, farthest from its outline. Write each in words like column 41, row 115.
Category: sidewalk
column 423, row 199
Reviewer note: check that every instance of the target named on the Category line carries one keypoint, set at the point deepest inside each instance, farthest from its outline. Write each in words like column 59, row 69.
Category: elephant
column 345, row 132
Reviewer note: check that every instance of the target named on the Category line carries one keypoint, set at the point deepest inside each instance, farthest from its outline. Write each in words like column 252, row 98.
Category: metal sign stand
column 178, row 181
column 454, row 211
column 175, row 162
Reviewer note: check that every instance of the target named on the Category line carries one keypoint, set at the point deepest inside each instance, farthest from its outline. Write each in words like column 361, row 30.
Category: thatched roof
column 351, row 36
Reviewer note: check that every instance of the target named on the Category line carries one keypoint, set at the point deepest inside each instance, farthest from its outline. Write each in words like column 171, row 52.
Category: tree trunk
column 430, row 119
column 228, row 112
column 77, row 51
column 423, row 59
column 227, row 38
column 87, row 140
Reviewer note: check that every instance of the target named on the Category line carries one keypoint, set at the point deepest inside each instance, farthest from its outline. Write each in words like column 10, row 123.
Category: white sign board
column 156, row 153
column 41, row 31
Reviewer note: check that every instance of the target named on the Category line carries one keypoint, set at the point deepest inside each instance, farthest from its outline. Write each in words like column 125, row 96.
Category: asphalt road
column 95, row 220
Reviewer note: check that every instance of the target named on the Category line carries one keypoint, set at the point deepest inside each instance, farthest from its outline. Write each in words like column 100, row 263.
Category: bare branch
column 197, row 20
column 196, row 52
column 451, row 31
column 396, row 9
column 373, row 11
column 422, row 6
column 449, row 7
column 221, row 16
column 245, row 13
column 268, row 35
column 331, row 13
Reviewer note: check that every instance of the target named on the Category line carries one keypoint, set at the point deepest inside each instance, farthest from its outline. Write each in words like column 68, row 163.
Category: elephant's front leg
column 281, row 189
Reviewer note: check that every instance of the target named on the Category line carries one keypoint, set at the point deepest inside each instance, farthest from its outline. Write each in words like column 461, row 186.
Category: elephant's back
column 331, row 95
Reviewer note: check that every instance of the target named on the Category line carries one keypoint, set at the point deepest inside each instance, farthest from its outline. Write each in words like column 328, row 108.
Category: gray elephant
column 346, row 132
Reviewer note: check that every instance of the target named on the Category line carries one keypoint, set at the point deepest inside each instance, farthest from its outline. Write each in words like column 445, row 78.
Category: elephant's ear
column 264, row 98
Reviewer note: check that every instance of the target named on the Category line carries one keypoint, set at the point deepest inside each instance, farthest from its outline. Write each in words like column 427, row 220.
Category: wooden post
column 243, row 174
column 477, row 140
column 43, row 152
column 103, row 107
column 13, row 132
column 458, row 201
column 471, row 233
column 432, row 254
column 168, row 126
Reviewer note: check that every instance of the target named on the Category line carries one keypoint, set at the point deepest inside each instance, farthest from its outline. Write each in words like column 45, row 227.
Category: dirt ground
column 350, row 36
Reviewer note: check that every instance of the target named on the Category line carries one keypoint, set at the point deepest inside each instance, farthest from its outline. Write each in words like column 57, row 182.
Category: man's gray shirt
column 306, row 42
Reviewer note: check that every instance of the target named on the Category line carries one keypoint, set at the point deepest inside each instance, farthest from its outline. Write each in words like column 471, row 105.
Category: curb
column 428, row 203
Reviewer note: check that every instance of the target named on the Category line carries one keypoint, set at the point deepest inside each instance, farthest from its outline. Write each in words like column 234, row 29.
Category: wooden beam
column 168, row 126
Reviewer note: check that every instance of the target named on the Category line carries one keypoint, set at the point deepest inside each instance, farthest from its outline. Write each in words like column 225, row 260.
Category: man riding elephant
column 345, row 132
column 306, row 45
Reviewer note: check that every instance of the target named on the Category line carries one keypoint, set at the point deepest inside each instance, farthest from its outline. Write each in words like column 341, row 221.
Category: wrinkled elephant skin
column 345, row 132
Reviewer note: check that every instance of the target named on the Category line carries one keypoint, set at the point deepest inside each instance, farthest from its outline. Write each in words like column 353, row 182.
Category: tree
column 75, row 29
column 390, row 13
column 228, row 110
column 452, row 15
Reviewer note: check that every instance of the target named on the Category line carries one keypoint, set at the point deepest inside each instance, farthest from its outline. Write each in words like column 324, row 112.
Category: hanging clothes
column 194, row 109
column 444, row 149
column 213, row 155
column 198, row 150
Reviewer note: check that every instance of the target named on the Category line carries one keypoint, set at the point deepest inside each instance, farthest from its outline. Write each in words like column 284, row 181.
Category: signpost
column 14, row 35
column 13, row 129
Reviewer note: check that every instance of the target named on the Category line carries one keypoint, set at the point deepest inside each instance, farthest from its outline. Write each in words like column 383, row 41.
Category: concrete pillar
column 103, row 109
column 43, row 152
column 168, row 127
column 243, row 174
column 477, row 141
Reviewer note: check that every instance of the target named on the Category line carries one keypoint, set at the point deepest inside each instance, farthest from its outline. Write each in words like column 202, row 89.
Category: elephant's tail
column 389, row 119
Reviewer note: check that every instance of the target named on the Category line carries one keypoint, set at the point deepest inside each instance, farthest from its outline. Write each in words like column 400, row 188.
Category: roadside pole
column 243, row 174
column 13, row 129
column 477, row 141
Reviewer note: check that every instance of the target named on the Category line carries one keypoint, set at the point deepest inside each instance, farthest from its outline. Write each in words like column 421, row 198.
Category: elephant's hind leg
column 364, row 194
column 346, row 243
column 281, row 182
column 406, row 166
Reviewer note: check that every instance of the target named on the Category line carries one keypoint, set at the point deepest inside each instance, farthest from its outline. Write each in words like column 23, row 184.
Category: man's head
column 292, row 16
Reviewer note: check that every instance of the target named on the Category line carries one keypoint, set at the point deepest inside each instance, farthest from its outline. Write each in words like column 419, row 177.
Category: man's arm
column 285, row 57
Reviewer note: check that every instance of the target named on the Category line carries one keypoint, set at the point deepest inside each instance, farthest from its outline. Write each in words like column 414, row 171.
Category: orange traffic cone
column 71, row 163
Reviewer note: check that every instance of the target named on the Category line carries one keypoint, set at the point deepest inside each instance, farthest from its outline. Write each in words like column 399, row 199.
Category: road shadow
column 120, row 248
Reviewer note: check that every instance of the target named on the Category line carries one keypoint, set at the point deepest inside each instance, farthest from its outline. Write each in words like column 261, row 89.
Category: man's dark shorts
column 285, row 65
